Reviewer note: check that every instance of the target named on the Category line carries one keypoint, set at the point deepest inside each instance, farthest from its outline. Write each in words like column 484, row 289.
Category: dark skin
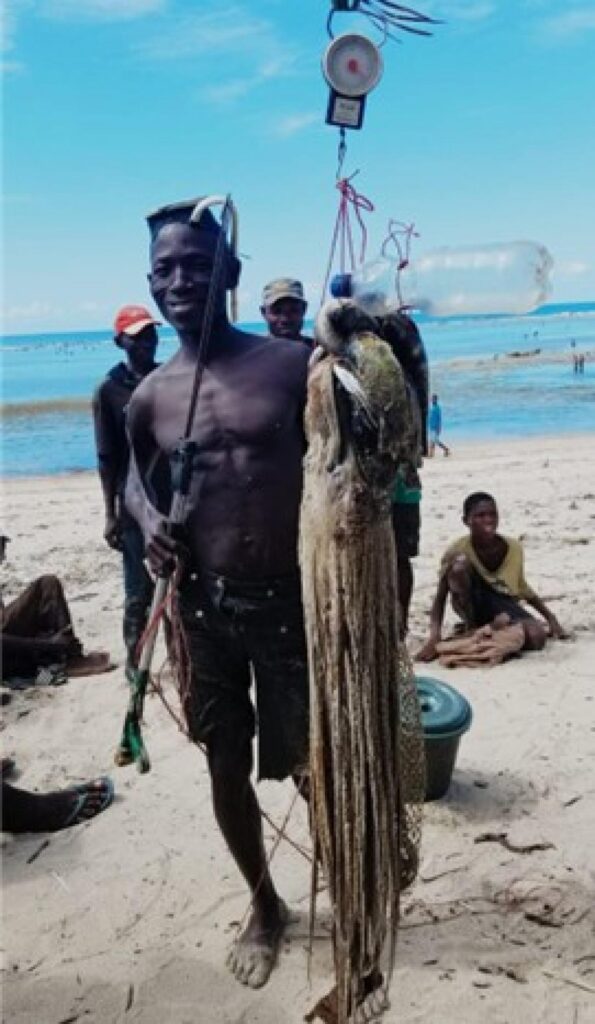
column 285, row 318
column 244, row 506
column 140, row 352
column 491, row 549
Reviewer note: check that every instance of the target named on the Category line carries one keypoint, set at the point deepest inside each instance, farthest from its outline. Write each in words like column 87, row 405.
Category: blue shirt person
column 435, row 428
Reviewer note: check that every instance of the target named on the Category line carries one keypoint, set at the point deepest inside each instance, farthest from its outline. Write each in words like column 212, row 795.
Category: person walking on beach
column 284, row 308
column 238, row 591
column 435, row 427
column 483, row 572
column 135, row 332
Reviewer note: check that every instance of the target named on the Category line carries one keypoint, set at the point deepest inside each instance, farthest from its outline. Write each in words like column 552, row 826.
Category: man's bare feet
column 254, row 953
column 371, row 1008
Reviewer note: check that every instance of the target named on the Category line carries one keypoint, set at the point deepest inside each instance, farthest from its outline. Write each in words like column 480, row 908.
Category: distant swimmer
column 135, row 332
column 435, row 428
column 284, row 308
column 483, row 572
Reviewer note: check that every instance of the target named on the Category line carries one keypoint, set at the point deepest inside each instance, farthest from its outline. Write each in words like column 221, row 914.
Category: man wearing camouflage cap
column 283, row 308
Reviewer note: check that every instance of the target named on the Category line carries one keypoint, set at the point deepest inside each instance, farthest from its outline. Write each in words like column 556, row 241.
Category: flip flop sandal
column 51, row 675
column 87, row 805
column 92, row 664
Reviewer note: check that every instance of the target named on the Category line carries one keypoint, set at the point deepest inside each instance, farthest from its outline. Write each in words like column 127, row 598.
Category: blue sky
column 112, row 107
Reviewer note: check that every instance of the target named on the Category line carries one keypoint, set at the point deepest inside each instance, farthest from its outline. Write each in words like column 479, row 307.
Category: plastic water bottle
column 511, row 277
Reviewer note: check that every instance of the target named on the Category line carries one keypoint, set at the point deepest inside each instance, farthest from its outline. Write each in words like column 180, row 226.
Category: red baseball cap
column 132, row 319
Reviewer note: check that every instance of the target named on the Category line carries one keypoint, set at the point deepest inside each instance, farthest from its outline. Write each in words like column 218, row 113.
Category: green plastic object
column 445, row 716
column 131, row 749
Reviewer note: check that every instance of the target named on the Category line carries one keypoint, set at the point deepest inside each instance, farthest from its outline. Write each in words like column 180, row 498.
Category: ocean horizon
column 496, row 376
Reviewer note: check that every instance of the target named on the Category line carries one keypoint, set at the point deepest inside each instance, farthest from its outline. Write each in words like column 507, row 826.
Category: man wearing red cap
column 135, row 333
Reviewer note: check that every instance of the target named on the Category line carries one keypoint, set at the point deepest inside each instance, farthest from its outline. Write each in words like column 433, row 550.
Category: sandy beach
column 127, row 919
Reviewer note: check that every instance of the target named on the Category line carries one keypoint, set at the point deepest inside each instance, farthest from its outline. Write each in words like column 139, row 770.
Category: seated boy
column 483, row 573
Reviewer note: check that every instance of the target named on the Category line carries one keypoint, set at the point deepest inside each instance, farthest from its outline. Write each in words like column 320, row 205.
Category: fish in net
column 367, row 755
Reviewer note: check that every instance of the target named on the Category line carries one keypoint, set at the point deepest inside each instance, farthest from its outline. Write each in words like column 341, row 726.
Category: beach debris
column 508, row 971
column 572, row 800
column 60, row 881
column 129, row 998
column 569, row 981
column 36, row 853
column 544, row 919
column 440, row 874
column 502, row 838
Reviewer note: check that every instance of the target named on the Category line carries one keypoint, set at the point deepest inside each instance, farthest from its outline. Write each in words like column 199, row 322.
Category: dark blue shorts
column 240, row 634
column 487, row 603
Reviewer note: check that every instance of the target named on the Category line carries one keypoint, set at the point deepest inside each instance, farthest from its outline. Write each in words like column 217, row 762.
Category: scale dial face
column 352, row 64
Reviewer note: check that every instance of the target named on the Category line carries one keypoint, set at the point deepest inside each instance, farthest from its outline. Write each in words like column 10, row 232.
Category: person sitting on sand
column 484, row 574
column 23, row 811
column 36, row 631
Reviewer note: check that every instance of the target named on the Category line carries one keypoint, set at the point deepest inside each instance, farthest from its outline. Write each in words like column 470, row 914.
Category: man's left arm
column 540, row 606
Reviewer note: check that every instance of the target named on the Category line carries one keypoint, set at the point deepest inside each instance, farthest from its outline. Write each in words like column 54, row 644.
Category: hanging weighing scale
column 352, row 65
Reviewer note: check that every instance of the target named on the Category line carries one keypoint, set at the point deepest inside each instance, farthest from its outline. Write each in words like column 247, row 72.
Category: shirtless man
column 239, row 596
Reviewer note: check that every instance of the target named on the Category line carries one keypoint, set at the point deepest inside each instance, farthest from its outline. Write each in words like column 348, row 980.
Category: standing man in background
column 135, row 332
column 401, row 333
column 435, row 426
column 284, row 308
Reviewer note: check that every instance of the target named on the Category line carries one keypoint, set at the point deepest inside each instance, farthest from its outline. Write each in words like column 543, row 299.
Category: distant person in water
column 135, row 333
column 36, row 631
column 483, row 572
column 435, row 428
column 284, row 308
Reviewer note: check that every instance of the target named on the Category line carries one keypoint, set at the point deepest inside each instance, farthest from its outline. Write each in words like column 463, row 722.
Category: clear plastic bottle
column 510, row 277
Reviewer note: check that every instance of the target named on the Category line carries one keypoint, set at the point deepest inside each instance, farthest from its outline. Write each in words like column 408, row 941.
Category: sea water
column 48, row 380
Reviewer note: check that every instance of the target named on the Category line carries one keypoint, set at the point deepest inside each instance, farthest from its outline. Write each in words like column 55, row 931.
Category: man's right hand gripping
column 165, row 547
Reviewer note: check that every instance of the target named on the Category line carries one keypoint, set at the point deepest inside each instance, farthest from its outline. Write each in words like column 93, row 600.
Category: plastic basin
column 445, row 716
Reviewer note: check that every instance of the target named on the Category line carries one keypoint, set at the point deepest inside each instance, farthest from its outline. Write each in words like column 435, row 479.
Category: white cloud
column 215, row 32
column 572, row 268
column 30, row 311
column 293, row 124
column 235, row 88
column 230, row 40
column 569, row 24
column 9, row 11
column 101, row 10
column 229, row 91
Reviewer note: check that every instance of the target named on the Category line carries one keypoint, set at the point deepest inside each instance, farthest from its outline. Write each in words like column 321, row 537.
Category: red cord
column 350, row 201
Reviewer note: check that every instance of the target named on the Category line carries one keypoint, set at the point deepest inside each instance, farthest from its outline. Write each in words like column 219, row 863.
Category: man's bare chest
column 231, row 411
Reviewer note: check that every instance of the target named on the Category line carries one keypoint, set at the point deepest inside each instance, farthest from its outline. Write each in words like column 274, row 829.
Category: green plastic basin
column 445, row 716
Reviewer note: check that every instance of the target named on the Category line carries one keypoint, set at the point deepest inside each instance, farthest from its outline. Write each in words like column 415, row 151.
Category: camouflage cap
column 282, row 288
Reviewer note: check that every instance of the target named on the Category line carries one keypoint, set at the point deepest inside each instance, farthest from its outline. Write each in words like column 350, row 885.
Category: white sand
column 127, row 918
